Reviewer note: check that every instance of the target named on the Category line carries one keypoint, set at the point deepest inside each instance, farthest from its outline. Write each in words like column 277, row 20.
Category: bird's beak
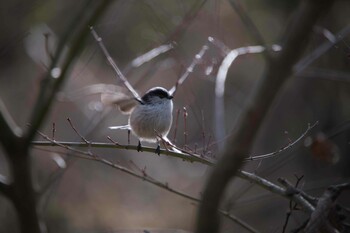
column 170, row 97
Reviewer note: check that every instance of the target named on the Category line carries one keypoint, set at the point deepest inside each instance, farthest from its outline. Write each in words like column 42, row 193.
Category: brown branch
column 291, row 207
column 71, row 145
column 293, row 190
column 112, row 63
column 319, row 51
column 248, row 22
column 76, row 34
column 250, row 177
column 324, row 218
column 143, row 176
column 23, row 195
column 239, row 145
column 6, row 187
column 9, row 131
column 291, row 144
column 297, row 197
column 185, row 155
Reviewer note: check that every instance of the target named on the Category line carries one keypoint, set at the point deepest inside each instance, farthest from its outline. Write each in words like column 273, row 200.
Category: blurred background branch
column 51, row 70
column 17, row 148
column 240, row 143
column 74, row 37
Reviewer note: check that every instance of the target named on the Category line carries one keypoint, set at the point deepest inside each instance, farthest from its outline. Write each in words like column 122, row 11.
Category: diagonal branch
column 5, row 187
column 87, row 155
column 325, row 218
column 319, row 51
column 240, row 143
column 116, row 69
column 248, row 22
column 57, row 73
column 9, row 131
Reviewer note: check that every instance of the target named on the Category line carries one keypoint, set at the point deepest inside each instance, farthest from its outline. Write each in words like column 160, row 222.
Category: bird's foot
column 157, row 151
column 139, row 147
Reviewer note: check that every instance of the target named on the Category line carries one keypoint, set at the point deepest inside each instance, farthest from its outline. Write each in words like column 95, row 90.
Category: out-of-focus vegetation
column 90, row 197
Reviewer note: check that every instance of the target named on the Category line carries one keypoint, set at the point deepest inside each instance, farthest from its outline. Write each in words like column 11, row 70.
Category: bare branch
column 327, row 74
column 230, row 58
column 5, row 187
column 239, row 145
column 221, row 77
column 76, row 131
column 322, row 49
column 9, row 131
column 238, row 221
column 272, row 154
column 291, row 190
column 291, row 207
column 71, row 145
column 146, row 57
column 248, row 22
column 189, row 69
column 118, row 72
column 186, row 156
column 284, row 192
column 57, row 73
column 324, row 218
column 143, row 176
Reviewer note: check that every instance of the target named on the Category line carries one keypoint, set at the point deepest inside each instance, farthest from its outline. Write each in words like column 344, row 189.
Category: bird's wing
column 124, row 102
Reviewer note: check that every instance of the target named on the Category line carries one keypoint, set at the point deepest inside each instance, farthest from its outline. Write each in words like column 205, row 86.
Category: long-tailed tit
column 151, row 115
column 150, row 118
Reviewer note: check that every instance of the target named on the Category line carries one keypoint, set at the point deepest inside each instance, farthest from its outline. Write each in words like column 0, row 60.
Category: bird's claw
column 139, row 147
column 157, row 151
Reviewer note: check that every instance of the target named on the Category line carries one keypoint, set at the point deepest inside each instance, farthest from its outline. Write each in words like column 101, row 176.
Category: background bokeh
column 91, row 197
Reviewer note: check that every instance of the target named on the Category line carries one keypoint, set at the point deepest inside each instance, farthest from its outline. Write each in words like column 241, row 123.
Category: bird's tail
column 122, row 127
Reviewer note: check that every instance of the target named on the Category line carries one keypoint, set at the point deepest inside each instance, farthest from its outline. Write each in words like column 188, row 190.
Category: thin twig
column 291, row 190
column 189, row 69
column 57, row 73
column 291, row 144
column 239, row 221
column 312, row 200
column 143, row 176
column 263, row 183
column 184, row 155
column 291, row 206
column 185, row 115
column 77, row 132
column 68, row 145
column 277, row 73
column 221, row 77
column 53, row 130
column 203, row 134
column 176, row 124
column 249, row 25
column 6, row 187
column 146, row 57
column 114, row 65
column 9, row 131
column 47, row 47
column 319, row 51
column 114, row 142
column 229, row 59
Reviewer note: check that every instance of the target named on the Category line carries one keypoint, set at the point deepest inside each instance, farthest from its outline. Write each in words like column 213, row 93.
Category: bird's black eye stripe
column 161, row 93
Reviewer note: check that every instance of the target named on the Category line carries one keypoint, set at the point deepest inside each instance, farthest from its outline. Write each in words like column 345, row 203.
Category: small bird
column 149, row 117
